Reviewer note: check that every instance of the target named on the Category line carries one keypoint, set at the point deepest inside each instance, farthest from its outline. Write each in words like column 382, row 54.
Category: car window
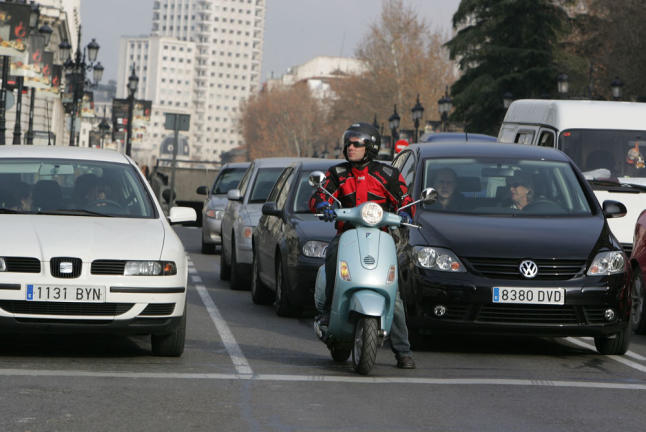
column 273, row 196
column 408, row 170
column 245, row 179
column 72, row 187
column 546, row 139
column 514, row 186
column 284, row 190
column 263, row 184
column 524, row 137
column 227, row 180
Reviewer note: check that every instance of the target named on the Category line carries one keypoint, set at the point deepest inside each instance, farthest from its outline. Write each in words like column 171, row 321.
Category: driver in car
column 354, row 182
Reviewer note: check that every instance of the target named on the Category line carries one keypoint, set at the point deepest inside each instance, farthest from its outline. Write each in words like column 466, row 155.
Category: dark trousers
column 398, row 331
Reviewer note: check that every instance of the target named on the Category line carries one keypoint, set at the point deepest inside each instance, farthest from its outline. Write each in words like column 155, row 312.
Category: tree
column 503, row 46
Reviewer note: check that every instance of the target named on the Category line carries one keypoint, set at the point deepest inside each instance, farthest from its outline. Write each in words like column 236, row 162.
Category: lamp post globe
column 65, row 49
column 92, row 50
column 563, row 85
column 97, row 73
column 616, row 86
column 46, row 31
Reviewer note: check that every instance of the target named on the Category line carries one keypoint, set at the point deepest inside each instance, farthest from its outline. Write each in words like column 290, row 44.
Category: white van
column 607, row 140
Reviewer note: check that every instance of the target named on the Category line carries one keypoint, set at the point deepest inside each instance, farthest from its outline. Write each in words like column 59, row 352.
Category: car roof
column 236, row 165
column 455, row 136
column 488, row 149
column 318, row 163
column 62, row 152
column 274, row 162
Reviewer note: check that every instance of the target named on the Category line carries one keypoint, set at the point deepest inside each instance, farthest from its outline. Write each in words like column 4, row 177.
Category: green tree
column 503, row 46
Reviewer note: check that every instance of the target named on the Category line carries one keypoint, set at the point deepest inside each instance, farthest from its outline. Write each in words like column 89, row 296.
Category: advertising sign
column 87, row 106
column 14, row 28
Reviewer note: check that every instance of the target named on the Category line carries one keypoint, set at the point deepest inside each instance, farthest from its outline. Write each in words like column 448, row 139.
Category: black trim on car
column 6, row 286
column 147, row 290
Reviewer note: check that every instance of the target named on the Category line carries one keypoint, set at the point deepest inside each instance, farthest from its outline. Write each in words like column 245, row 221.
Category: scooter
column 366, row 282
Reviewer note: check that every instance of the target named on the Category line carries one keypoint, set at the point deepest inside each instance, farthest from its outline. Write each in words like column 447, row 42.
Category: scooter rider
column 354, row 182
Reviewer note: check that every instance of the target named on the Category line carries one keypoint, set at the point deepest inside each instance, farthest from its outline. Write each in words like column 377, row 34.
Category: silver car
column 241, row 216
column 216, row 201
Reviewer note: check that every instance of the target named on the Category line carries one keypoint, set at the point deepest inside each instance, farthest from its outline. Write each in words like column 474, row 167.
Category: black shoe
column 405, row 362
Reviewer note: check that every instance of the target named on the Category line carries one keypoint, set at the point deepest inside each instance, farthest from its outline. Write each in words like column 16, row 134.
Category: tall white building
column 229, row 40
column 165, row 67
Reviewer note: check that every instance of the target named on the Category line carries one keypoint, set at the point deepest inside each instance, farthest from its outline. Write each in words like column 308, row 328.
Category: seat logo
column 528, row 269
column 66, row 268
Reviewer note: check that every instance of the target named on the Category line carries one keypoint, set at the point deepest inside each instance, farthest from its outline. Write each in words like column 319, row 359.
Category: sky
column 295, row 30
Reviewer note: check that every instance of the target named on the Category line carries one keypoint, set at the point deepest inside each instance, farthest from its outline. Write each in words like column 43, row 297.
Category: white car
column 85, row 247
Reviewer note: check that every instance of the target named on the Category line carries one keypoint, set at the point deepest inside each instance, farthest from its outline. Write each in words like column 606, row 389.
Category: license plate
column 548, row 296
column 69, row 294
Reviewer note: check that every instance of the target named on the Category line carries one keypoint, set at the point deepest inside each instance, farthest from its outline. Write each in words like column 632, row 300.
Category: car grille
column 107, row 267
column 159, row 309
column 59, row 308
column 55, row 267
column 528, row 314
column 548, row 269
column 22, row 264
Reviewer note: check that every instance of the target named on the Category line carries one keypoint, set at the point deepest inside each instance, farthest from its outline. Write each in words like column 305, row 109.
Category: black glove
column 327, row 211
column 405, row 217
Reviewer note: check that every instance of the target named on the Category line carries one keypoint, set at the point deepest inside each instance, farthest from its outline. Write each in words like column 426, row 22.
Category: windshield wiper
column 9, row 211
column 73, row 212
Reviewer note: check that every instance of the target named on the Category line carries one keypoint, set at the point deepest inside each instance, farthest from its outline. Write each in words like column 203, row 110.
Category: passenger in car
column 445, row 182
column 521, row 188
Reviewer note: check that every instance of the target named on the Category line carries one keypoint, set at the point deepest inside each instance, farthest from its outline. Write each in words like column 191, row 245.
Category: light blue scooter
column 366, row 283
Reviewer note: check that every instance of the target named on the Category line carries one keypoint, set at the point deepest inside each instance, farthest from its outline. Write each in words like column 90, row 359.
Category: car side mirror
column 234, row 195
column 316, row 178
column 613, row 209
column 202, row 190
column 428, row 196
column 182, row 214
column 269, row 209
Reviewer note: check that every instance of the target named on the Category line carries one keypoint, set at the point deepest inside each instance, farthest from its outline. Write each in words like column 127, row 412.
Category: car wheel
column 237, row 282
column 638, row 308
column 170, row 344
column 208, row 248
column 260, row 294
column 225, row 269
column 282, row 304
column 616, row 344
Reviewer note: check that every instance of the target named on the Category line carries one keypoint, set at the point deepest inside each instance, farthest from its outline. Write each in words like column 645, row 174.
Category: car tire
column 616, row 344
column 237, row 281
column 208, row 248
column 225, row 269
column 170, row 344
column 282, row 305
column 638, row 308
column 260, row 294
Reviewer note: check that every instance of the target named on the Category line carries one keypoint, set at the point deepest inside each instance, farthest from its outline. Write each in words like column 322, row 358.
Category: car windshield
column 264, row 182
column 303, row 194
column 72, row 187
column 227, row 180
column 505, row 187
column 607, row 154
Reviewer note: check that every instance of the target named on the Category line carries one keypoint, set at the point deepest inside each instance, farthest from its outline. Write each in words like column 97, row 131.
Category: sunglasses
column 357, row 143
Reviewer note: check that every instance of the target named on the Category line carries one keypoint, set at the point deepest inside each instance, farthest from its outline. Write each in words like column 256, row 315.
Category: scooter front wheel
column 366, row 342
column 340, row 353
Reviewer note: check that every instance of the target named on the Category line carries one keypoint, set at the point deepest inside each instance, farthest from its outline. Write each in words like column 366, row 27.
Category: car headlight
column 149, row 268
column 371, row 213
column 3, row 265
column 215, row 214
column 435, row 258
column 315, row 249
column 607, row 263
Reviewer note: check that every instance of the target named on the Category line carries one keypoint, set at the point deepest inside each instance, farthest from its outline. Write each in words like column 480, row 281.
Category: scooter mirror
column 429, row 196
column 316, row 178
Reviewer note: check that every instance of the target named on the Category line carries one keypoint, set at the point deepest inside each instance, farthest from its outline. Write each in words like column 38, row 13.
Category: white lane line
column 327, row 379
column 616, row 358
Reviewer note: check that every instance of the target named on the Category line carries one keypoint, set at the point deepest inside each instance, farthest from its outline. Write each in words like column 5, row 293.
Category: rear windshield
column 513, row 186
column 227, row 180
column 263, row 184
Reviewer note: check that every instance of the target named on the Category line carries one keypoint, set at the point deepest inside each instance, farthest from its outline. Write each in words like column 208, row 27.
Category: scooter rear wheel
column 366, row 342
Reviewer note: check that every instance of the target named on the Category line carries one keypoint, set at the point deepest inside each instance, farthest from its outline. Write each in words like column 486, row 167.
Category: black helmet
column 367, row 134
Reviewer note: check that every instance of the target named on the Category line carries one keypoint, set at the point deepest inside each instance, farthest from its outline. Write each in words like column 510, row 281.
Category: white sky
column 295, row 30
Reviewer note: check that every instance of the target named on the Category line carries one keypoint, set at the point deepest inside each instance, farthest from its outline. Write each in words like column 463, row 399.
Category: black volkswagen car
column 515, row 243
column 289, row 242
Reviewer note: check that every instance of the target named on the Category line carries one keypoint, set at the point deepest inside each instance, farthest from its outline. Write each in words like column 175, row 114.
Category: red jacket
column 353, row 186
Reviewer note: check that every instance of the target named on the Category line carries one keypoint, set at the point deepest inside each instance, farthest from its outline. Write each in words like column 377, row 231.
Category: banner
column 14, row 28
column 54, row 90
column 29, row 63
column 119, row 114
column 87, row 106
column 43, row 80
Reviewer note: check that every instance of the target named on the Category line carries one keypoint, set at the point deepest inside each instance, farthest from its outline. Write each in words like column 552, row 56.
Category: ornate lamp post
column 418, row 111
column 393, row 122
column 507, row 99
column 563, row 85
column 104, row 129
column 444, row 106
column 133, row 81
column 616, row 86
column 77, row 68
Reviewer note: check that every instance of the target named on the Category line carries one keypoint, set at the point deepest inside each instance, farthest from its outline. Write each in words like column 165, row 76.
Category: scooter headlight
column 438, row 259
column 607, row 263
column 371, row 213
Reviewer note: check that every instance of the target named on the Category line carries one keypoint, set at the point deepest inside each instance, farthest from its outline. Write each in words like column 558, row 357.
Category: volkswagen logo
column 528, row 269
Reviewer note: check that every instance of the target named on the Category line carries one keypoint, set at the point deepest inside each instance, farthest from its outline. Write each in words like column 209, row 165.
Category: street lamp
column 507, row 99
column 77, row 67
column 616, row 86
column 133, row 81
column 46, row 32
column 563, row 85
column 104, row 129
column 393, row 122
column 444, row 106
column 418, row 111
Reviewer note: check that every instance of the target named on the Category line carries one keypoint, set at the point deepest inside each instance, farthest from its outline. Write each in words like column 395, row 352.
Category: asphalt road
column 245, row 369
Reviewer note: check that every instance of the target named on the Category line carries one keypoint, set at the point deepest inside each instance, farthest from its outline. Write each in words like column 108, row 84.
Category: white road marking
column 617, row 358
column 326, row 379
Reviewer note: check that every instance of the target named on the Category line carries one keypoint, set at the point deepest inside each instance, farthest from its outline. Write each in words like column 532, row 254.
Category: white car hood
column 88, row 238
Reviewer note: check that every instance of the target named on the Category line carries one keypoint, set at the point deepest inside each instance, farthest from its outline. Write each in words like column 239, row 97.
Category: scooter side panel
column 319, row 289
